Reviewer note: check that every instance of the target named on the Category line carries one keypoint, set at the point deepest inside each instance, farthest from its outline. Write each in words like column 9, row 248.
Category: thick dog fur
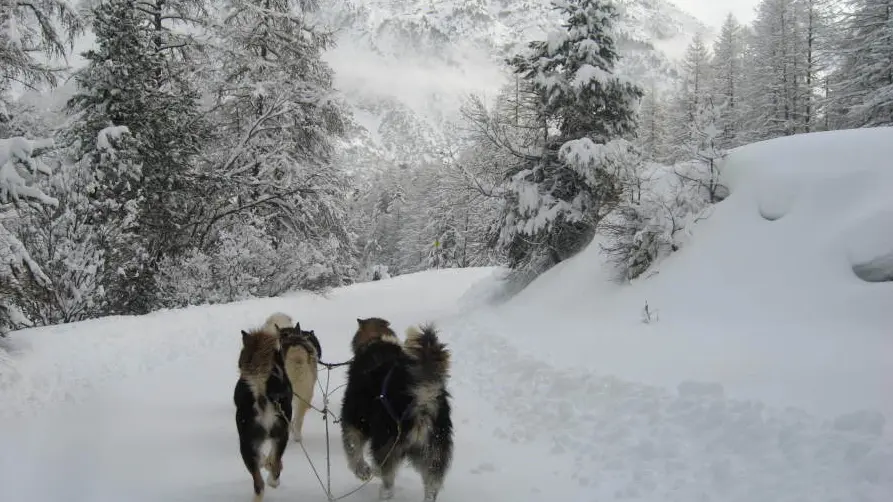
column 302, row 353
column 262, row 397
column 277, row 322
column 412, row 379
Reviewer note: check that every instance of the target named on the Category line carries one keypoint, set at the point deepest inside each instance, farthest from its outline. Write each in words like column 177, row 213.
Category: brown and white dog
column 262, row 396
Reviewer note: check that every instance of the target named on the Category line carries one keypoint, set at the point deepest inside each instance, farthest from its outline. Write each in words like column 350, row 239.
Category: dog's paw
column 272, row 482
column 363, row 471
column 385, row 493
column 296, row 438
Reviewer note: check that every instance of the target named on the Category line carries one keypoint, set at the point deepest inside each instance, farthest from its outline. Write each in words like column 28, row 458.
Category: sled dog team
column 395, row 400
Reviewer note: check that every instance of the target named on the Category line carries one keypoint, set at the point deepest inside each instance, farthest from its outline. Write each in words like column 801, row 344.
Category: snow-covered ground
column 764, row 378
column 762, row 298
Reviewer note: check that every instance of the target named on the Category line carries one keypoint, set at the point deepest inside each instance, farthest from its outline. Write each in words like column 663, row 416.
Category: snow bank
column 783, row 294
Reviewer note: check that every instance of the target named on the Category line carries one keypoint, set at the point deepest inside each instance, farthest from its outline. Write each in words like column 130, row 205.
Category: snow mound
column 783, row 294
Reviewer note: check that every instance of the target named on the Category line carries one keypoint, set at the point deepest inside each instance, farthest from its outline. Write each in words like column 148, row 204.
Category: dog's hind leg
column 388, row 459
column 297, row 421
column 302, row 405
column 432, row 464
column 301, row 369
column 433, row 482
column 354, row 442
column 279, row 435
column 251, row 457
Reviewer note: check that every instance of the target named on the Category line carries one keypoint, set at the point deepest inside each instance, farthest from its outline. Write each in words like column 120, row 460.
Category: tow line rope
column 326, row 413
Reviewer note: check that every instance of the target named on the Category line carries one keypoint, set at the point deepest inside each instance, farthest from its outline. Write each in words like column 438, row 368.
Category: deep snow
column 761, row 380
column 140, row 409
column 771, row 308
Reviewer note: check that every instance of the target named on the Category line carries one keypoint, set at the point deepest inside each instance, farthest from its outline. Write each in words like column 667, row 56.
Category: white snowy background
column 747, row 354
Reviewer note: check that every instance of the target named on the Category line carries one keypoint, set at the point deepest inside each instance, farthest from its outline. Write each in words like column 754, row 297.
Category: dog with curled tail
column 302, row 354
column 263, row 399
column 396, row 401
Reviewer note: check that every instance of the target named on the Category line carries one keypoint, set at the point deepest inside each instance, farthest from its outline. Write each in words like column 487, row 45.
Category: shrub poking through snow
column 657, row 221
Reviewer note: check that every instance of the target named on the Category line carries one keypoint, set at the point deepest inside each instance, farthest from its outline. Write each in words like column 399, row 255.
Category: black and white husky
column 263, row 399
column 396, row 399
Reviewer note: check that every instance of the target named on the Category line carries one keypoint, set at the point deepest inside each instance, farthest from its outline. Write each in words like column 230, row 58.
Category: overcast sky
column 714, row 12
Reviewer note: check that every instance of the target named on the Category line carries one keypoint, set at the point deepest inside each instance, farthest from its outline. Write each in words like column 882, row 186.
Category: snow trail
column 157, row 423
column 526, row 429
column 629, row 441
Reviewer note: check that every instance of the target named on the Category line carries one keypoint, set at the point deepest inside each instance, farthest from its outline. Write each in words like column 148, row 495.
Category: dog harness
column 383, row 397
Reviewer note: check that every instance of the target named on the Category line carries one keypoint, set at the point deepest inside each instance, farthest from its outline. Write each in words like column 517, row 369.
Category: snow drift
column 783, row 294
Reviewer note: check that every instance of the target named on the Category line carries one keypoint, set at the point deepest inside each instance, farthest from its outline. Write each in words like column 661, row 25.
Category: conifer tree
column 557, row 196
column 29, row 30
column 863, row 84
column 693, row 90
column 727, row 75
column 653, row 138
column 127, row 83
column 19, row 272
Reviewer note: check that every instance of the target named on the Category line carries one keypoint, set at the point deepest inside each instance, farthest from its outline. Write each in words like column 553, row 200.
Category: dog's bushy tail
column 276, row 322
column 433, row 356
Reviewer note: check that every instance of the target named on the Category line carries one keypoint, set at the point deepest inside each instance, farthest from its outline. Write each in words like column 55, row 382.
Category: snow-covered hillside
column 765, row 376
column 782, row 294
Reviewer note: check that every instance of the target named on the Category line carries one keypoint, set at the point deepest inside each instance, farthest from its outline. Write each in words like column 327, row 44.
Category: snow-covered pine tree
column 87, row 243
column 25, row 119
column 559, row 194
column 447, row 221
column 379, row 211
column 777, row 71
column 19, row 273
column 31, row 33
column 128, row 83
column 694, row 87
column 727, row 74
column 816, row 43
column 276, row 114
column 467, row 209
column 863, row 84
column 170, row 21
column 653, row 138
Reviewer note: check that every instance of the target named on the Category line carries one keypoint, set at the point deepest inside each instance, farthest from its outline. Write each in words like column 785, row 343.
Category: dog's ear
column 361, row 322
column 298, row 326
column 245, row 336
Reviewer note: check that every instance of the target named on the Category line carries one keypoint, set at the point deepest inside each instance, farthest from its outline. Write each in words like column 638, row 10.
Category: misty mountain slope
column 405, row 66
